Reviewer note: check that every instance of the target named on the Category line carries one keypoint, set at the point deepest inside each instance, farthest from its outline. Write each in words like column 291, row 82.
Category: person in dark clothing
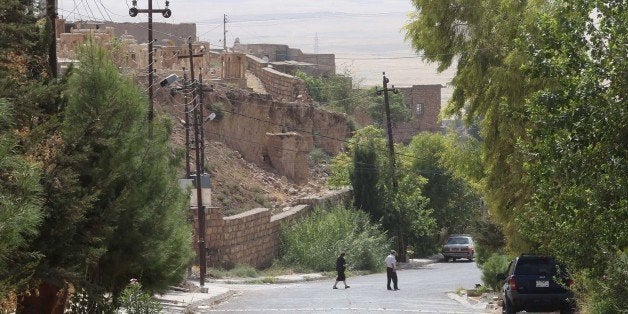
column 341, row 266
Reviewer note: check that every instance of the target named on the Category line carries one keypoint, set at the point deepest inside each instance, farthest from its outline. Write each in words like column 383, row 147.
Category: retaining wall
column 281, row 86
column 253, row 237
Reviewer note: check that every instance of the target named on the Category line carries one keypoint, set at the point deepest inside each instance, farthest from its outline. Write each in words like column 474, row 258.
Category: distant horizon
column 365, row 36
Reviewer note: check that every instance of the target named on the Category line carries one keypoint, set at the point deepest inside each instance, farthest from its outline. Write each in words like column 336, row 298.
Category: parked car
column 459, row 246
column 536, row 283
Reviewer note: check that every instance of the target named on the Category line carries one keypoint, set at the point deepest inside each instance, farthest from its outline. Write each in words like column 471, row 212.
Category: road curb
column 215, row 299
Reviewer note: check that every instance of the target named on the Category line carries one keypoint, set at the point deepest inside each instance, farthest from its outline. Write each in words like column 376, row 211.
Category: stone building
column 424, row 103
column 289, row 60
column 131, row 55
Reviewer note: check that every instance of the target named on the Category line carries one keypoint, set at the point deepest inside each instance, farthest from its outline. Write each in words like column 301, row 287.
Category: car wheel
column 453, row 259
column 446, row 259
column 507, row 308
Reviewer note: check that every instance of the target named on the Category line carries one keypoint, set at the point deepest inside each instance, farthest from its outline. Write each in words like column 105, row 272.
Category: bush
column 494, row 265
column 136, row 301
column 482, row 254
column 316, row 242
column 244, row 271
column 91, row 300
column 608, row 294
column 318, row 156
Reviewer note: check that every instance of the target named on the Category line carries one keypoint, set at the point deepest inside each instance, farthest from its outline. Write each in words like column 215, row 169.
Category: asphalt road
column 422, row 290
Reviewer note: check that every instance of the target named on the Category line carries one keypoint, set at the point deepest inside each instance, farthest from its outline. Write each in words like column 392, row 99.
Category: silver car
column 459, row 246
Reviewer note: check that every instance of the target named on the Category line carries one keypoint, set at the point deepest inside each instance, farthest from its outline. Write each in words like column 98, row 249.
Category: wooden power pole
column 51, row 12
column 166, row 13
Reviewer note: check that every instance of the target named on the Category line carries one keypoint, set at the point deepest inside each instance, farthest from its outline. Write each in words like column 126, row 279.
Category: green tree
column 373, row 103
column 113, row 208
column 365, row 179
column 576, row 150
column 24, row 138
column 20, row 200
column 453, row 202
column 489, row 87
column 402, row 211
column 334, row 91
column 547, row 81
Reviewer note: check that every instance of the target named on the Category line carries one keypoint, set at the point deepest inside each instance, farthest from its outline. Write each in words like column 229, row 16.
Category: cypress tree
column 20, row 201
column 114, row 210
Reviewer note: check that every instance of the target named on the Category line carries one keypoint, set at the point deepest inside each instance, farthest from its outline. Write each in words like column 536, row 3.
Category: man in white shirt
column 391, row 270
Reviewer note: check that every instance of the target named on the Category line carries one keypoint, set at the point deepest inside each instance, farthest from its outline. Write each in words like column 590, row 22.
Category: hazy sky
column 365, row 35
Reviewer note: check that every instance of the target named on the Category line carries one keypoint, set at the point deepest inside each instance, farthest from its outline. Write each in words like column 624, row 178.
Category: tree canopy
column 546, row 81
column 116, row 199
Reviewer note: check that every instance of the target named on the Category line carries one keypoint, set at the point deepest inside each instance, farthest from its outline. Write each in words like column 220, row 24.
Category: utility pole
column 166, row 13
column 187, row 127
column 51, row 12
column 202, row 248
column 224, row 32
column 391, row 150
column 197, row 89
column 191, row 57
column 201, row 102
column 391, row 146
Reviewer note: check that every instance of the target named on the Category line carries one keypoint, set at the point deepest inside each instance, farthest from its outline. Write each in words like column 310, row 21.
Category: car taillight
column 512, row 283
column 570, row 282
column 469, row 249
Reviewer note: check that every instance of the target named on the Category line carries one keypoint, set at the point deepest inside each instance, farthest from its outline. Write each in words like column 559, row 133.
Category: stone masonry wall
column 250, row 119
column 287, row 153
column 253, row 237
column 281, row 86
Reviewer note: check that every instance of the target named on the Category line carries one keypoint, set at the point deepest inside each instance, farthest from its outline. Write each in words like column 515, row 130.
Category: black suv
column 536, row 283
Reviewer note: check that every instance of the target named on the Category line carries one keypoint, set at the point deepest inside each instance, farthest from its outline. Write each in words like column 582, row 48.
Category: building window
column 419, row 109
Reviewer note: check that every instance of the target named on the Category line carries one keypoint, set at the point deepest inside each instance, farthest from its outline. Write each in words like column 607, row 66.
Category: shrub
column 608, row 294
column 219, row 109
column 243, row 271
column 494, row 265
column 91, row 300
column 318, row 156
column 136, row 301
column 482, row 254
column 316, row 242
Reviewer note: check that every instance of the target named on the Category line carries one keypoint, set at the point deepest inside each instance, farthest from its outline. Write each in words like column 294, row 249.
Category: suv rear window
column 540, row 266
column 458, row 240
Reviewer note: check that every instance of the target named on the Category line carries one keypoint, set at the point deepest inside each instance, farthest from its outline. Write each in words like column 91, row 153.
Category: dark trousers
column 391, row 274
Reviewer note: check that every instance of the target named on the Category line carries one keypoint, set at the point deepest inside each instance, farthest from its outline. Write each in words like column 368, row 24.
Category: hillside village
column 257, row 153
column 257, row 81
column 137, row 159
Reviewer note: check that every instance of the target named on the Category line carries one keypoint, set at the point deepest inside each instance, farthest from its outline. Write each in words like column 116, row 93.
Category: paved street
column 421, row 290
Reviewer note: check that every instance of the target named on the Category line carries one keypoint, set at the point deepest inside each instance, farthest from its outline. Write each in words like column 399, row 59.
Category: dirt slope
column 239, row 185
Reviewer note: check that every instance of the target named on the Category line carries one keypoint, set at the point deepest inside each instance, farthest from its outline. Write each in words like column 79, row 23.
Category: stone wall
column 287, row 153
column 250, row 119
column 264, row 131
column 281, row 86
column 163, row 33
column 131, row 57
column 253, row 237
column 325, row 64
